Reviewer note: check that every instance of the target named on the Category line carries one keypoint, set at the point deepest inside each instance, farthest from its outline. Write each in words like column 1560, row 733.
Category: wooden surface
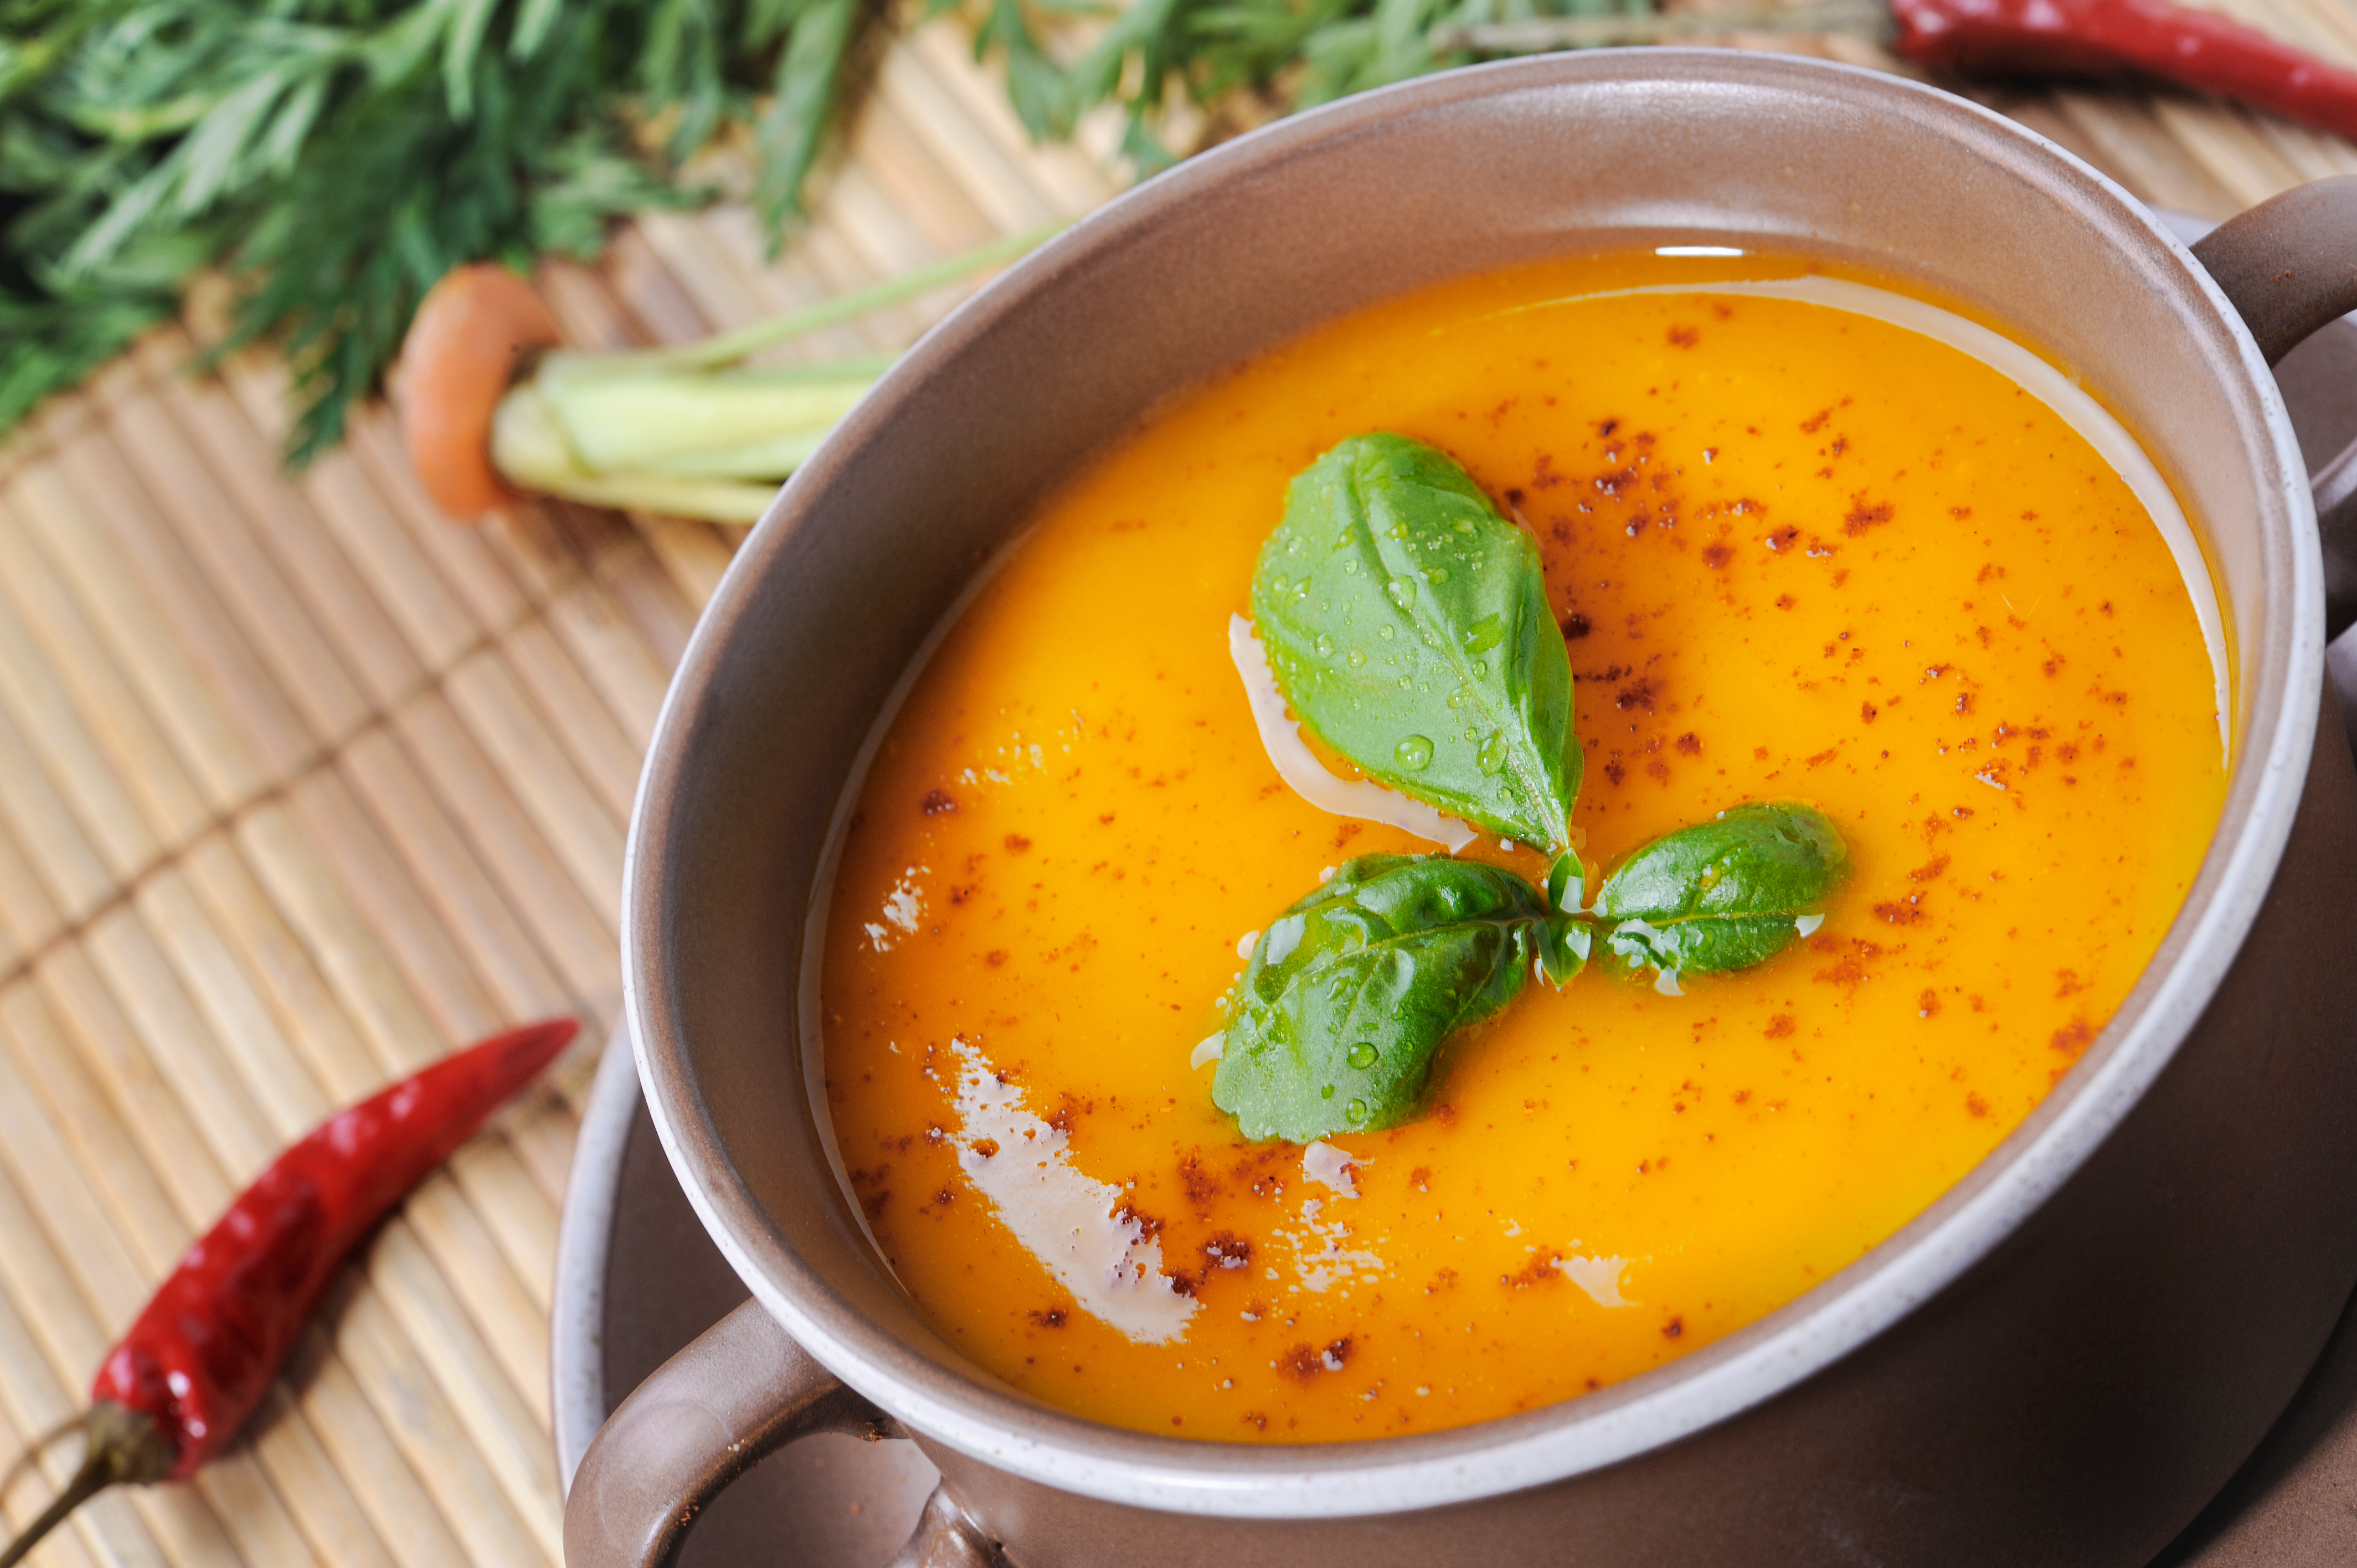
column 300, row 786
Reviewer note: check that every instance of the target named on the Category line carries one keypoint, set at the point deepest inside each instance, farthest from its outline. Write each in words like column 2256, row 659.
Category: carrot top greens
column 336, row 157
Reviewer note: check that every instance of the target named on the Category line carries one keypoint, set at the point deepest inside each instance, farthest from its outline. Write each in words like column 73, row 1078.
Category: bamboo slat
column 563, row 900
column 603, row 757
column 430, row 1435
column 462, row 898
column 366, row 1457
column 436, row 621
column 205, row 639
column 210, row 977
column 462, row 559
column 657, row 304
column 98, row 1150
column 96, row 736
column 324, row 1507
column 614, row 656
column 226, row 548
column 157, row 1121
column 73, row 878
column 647, row 594
column 578, row 830
column 238, row 909
column 300, row 786
column 331, row 585
column 169, row 672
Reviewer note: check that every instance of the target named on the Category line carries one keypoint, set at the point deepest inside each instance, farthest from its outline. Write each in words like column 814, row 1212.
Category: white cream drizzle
column 1308, row 776
column 902, row 908
column 1323, row 1162
column 1332, row 1263
column 2075, row 405
column 1600, row 1277
column 1070, row 1221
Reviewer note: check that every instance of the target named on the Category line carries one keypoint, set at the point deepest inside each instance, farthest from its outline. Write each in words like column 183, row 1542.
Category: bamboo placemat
column 300, row 786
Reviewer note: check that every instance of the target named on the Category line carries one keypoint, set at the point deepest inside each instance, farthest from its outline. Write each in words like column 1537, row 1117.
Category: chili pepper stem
column 124, row 1449
column 94, row 1477
column 35, row 1448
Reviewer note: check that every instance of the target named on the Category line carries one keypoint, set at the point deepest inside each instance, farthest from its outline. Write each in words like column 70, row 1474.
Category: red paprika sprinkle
column 181, row 1383
column 2064, row 38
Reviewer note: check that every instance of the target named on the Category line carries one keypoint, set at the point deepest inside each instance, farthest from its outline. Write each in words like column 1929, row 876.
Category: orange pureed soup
column 1799, row 553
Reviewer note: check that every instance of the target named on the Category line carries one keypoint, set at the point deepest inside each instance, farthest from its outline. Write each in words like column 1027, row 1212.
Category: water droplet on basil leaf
column 1399, row 506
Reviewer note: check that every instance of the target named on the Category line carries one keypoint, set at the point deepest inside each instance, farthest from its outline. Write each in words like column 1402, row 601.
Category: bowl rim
column 1746, row 1368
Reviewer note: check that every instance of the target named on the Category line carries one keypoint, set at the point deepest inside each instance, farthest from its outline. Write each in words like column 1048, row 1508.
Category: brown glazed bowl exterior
column 2063, row 1357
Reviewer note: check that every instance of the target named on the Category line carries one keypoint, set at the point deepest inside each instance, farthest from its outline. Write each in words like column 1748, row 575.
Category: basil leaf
column 1563, row 942
column 1564, row 881
column 1349, row 993
column 1722, row 895
column 1408, row 625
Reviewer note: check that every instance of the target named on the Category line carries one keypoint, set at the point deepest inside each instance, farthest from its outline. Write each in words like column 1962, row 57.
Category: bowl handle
column 2289, row 267
column 742, row 1391
column 2289, row 264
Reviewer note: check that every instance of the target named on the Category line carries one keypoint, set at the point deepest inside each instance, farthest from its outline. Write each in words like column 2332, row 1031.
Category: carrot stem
column 692, row 431
column 1538, row 34
column 689, row 446
column 730, row 425
column 727, row 348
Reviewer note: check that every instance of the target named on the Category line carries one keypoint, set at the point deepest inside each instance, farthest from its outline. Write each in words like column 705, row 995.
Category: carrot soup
column 1804, row 540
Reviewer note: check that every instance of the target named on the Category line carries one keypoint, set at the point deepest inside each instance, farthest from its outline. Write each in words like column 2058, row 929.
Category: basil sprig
column 1722, row 895
column 1352, row 992
column 1349, row 993
column 1408, row 625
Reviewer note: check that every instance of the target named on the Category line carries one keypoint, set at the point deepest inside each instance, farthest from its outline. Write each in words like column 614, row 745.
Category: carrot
column 493, row 408
column 475, row 330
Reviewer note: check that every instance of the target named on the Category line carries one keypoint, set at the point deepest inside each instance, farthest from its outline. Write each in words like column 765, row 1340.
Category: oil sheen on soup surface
column 1798, row 553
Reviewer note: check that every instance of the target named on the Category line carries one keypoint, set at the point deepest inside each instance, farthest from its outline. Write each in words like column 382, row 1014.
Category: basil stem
column 1333, row 1026
column 1407, row 624
column 1722, row 895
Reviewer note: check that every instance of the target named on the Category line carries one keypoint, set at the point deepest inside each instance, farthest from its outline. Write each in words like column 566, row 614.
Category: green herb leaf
column 1563, row 941
column 333, row 160
column 1408, row 625
column 1564, row 882
column 135, row 130
column 790, row 129
column 1352, row 990
column 1722, row 895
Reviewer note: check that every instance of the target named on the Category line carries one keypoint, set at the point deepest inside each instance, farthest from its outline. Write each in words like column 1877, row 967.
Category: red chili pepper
column 2194, row 49
column 183, row 1380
